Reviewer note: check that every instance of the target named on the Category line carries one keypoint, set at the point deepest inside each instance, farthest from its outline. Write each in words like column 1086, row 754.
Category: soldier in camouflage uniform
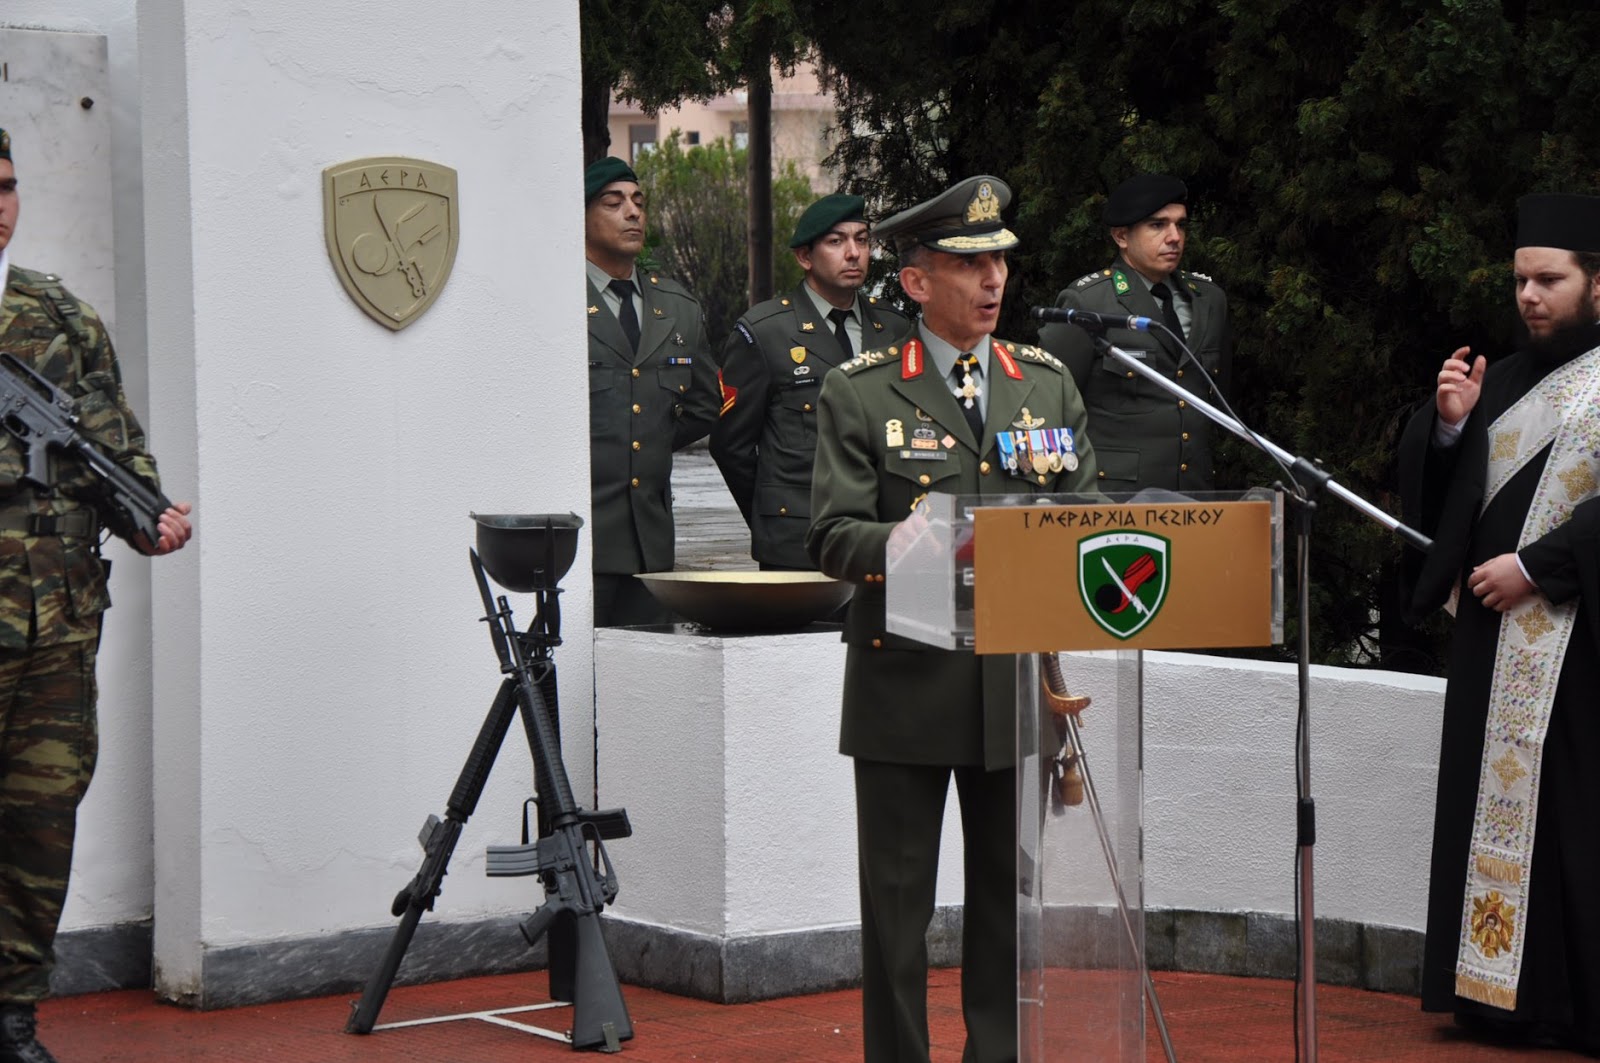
column 652, row 391
column 772, row 370
column 52, row 592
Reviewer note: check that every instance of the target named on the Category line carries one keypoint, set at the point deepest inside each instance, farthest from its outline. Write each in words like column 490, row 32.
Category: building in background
column 802, row 119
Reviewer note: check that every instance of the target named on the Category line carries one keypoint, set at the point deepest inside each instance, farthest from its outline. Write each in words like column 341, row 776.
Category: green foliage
column 1353, row 168
column 698, row 221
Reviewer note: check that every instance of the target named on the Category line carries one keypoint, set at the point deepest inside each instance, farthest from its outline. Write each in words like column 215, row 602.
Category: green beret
column 964, row 219
column 824, row 214
column 603, row 172
column 5, row 145
column 1140, row 196
column 1553, row 219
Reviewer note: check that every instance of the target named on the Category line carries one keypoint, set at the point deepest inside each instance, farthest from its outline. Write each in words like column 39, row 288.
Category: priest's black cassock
column 1559, row 987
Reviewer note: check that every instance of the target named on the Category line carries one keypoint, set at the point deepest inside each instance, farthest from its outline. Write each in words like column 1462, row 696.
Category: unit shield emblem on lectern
column 1123, row 579
column 391, row 226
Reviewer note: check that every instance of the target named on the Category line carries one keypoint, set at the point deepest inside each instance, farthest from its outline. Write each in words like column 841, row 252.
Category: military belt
column 73, row 523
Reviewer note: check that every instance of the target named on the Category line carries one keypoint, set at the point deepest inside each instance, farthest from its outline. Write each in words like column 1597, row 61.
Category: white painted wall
column 725, row 753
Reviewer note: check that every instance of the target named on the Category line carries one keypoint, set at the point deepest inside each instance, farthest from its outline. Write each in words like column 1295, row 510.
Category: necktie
column 968, row 381
column 1169, row 309
column 626, row 314
column 839, row 317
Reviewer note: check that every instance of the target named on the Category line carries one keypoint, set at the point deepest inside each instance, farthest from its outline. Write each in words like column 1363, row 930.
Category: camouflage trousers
column 48, row 744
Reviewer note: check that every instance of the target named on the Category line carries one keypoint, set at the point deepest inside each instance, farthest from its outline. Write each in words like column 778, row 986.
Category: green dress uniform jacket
column 904, row 701
column 773, row 366
column 1144, row 437
column 642, row 408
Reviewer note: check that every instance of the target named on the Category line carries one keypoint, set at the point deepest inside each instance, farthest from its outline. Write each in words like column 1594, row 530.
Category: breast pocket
column 909, row 479
column 602, row 398
column 676, row 381
column 1116, row 387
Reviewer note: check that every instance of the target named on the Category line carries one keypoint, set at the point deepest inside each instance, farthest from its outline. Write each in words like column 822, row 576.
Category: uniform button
column 1102, row 474
column 924, row 479
column 636, row 371
column 633, row 482
column 1130, row 374
column 1180, row 372
column 683, row 387
column 637, row 408
column 1186, row 437
column 1041, row 477
column 984, row 468
column 877, row 644
column 635, row 444
column 783, row 511
column 1183, row 404
column 1184, row 467
column 808, row 407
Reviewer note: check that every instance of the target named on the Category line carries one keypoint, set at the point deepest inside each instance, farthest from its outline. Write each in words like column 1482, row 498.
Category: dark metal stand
column 1309, row 478
column 580, row 968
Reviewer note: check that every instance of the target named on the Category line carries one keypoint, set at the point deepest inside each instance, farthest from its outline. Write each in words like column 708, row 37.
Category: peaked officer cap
column 964, row 219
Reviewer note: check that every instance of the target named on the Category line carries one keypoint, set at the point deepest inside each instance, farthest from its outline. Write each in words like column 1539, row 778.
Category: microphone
column 1090, row 320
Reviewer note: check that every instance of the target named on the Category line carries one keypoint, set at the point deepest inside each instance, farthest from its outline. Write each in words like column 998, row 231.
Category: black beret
column 1140, row 196
column 824, row 214
column 964, row 219
column 5, row 145
column 602, row 172
column 1553, row 219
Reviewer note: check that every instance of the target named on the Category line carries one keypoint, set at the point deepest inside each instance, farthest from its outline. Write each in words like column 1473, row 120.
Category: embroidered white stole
column 1563, row 412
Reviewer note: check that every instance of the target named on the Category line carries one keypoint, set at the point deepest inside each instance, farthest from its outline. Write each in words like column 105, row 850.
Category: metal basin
column 749, row 601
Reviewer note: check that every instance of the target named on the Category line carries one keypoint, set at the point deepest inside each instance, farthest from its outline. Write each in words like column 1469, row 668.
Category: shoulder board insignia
column 1043, row 357
column 1198, row 276
column 745, row 332
column 1090, row 278
column 867, row 359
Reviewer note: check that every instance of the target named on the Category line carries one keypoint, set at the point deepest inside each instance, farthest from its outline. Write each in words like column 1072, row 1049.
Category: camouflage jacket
column 53, row 586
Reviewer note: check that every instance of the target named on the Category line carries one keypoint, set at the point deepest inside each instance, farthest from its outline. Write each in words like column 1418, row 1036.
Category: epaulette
column 1089, row 278
column 1040, row 355
column 1197, row 276
column 769, row 308
column 671, row 287
column 867, row 359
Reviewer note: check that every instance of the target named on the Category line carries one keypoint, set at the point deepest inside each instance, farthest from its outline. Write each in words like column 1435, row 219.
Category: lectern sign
column 1123, row 576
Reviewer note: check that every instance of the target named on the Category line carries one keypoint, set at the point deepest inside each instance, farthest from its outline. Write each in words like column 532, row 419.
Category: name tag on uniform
column 924, row 455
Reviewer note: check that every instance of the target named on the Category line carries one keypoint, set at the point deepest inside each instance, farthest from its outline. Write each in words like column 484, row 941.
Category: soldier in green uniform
column 927, row 415
column 652, row 391
column 1143, row 436
column 773, row 366
column 52, row 592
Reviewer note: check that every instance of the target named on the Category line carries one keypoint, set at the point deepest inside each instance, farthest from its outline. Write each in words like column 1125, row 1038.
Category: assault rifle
column 577, row 888
column 43, row 417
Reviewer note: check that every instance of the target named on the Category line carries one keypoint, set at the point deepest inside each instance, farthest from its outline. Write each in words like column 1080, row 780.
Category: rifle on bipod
column 42, row 416
column 577, row 889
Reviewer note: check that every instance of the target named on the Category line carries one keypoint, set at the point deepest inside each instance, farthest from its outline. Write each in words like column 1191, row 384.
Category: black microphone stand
column 1307, row 478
